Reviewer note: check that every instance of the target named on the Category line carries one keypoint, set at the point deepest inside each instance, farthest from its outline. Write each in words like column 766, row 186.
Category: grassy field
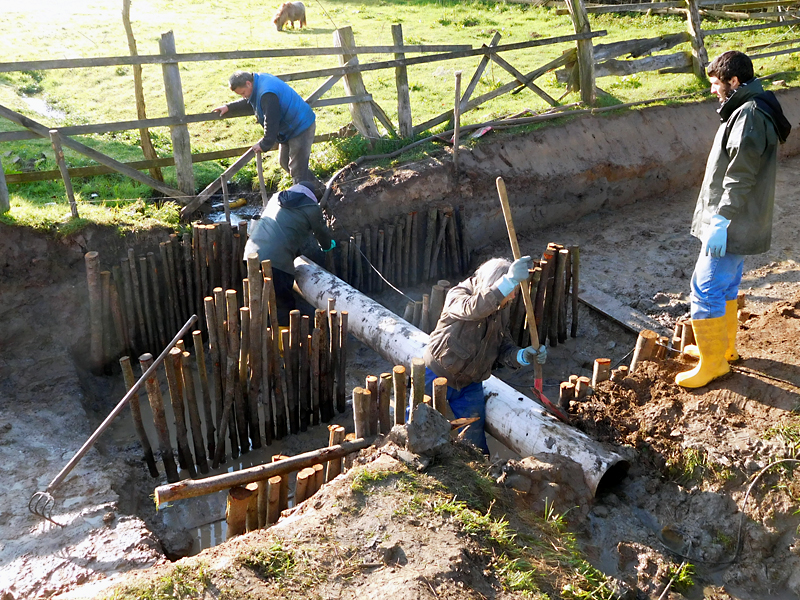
column 72, row 28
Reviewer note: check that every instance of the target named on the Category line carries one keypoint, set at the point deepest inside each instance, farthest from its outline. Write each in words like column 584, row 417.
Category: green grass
column 105, row 94
column 789, row 434
column 181, row 582
column 692, row 465
column 275, row 562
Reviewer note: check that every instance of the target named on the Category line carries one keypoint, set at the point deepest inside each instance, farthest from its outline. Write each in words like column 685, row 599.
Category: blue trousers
column 714, row 282
column 466, row 402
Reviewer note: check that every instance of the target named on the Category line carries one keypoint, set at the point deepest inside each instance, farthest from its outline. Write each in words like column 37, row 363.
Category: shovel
column 526, row 297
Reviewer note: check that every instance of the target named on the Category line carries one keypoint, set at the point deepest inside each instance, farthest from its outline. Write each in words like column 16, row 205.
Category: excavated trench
column 571, row 184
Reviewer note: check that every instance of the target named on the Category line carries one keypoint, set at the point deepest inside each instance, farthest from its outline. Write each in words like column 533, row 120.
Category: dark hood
column 290, row 199
column 769, row 105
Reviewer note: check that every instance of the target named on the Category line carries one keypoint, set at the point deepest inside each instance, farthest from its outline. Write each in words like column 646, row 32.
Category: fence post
column 141, row 112
column 401, row 79
column 55, row 140
column 580, row 21
column 5, row 204
column 363, row 117
column 181, row 144
column 699, row 53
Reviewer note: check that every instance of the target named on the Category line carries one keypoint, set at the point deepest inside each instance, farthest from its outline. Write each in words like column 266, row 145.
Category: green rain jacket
column 739, row 182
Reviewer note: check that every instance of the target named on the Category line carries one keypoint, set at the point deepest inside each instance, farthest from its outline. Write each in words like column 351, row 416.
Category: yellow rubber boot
column 712, row 342
column 732, row 322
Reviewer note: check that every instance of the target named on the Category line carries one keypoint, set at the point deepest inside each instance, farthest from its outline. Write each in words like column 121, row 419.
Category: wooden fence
column 579, row 67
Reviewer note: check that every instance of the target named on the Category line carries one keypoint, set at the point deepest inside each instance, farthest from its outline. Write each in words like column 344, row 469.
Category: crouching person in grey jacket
column 472, row 335
column 280, row 234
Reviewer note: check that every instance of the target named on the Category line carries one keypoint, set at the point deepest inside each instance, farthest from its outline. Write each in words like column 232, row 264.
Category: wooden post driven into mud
column 363, row 117
column 92, row 261
column 181, row 142
column 136, row 413
column 645, row 346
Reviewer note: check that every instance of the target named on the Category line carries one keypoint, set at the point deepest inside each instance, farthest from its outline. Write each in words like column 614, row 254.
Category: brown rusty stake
column 205, row 393
column 172, row 366
column 399, row 384
column 194, row 413
column 136, row 413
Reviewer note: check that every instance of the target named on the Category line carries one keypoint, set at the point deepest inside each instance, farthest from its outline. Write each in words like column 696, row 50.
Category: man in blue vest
column 287, row 119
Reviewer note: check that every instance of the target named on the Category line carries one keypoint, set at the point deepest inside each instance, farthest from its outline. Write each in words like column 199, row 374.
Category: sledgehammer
column 526, row 297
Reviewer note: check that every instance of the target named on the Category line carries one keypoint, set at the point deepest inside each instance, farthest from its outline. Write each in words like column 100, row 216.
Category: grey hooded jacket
column 739, row 181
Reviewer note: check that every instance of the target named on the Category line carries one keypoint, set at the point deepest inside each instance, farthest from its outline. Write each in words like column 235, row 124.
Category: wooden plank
column 376, row 66
column 321, row 90
column 756, row 5
column 618, row 8
column 476, row 76
column 772, row 45
column 93, row 154
column 524, row 80
column 637, row 48
column 708, row 32
column 343, row 100
column 55, row 140
column 628, row 317
column 401, row 82
column 383, row 118
column 181, row 142
column 157, row 59
column 167, row 161
column 776, row 53
column 533, row 75
column 650, row 63
column 212, row 187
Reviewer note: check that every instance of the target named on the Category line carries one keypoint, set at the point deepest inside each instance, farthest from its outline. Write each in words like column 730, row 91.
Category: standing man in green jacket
column 733, row 217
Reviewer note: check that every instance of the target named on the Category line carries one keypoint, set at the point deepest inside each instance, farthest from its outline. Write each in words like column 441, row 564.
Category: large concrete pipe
column 511, row 417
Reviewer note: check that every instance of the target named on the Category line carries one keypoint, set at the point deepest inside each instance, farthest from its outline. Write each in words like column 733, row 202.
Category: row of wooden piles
column 407, row 251
column 382, row 402
column 260, row 503
column 265, row 380
column 137, row 303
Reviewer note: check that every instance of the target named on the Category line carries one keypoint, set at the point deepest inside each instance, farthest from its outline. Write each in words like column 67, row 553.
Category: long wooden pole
column 192, row 488
column 526, row 295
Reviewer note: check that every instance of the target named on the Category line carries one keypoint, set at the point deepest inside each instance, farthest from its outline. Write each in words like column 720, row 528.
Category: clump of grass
column 274, row 562
column 692, row 465
column 364, row 479
column 787, row 432
column 681, row 577
column 180, row 582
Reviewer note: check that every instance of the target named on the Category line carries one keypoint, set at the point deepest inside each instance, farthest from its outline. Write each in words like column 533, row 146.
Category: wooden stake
column 582, row 387
column 136, row 414
column 92, row 262
column 575, row 254
column 372, row 387
column 417, row 382
column 406, row 254
column 55, row 140
column 237, row 330
column 147, row 301
column 440, row 394
column 456, row 125
column 384, row 402
column 388, row 258
column 314, row 358
column 274, row 497
column 137, row 296
column 645, row 345
column 361, row 411
column 159, row 419
column 194, row 413
column 335, row 464
column 414, row 268
column 566, row 393
column 205, row 394
column 340, row 378
column 602, row 370
column 436, row 305
column 262, row 504
column 399, row 384
column 172, row 366
column 380, row 256
column 236, row 511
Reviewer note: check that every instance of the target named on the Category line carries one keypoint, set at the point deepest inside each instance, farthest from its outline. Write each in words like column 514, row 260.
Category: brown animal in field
column 291, row 12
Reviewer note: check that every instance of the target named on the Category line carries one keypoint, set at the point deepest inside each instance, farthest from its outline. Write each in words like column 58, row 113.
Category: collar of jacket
column 742, row 94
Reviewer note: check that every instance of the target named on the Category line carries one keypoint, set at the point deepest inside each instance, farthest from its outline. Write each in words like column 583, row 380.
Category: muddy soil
column 669, row 509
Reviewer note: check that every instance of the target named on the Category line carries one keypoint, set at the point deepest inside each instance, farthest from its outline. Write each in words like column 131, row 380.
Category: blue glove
column 518, row 271
column 716, row 236
column 527, row 355
column 333, row 245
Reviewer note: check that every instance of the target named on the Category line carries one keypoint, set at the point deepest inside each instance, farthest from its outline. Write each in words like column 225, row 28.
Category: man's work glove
column 333, row 245
column 527, row 355
column 716, row 237
column 517, row 272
